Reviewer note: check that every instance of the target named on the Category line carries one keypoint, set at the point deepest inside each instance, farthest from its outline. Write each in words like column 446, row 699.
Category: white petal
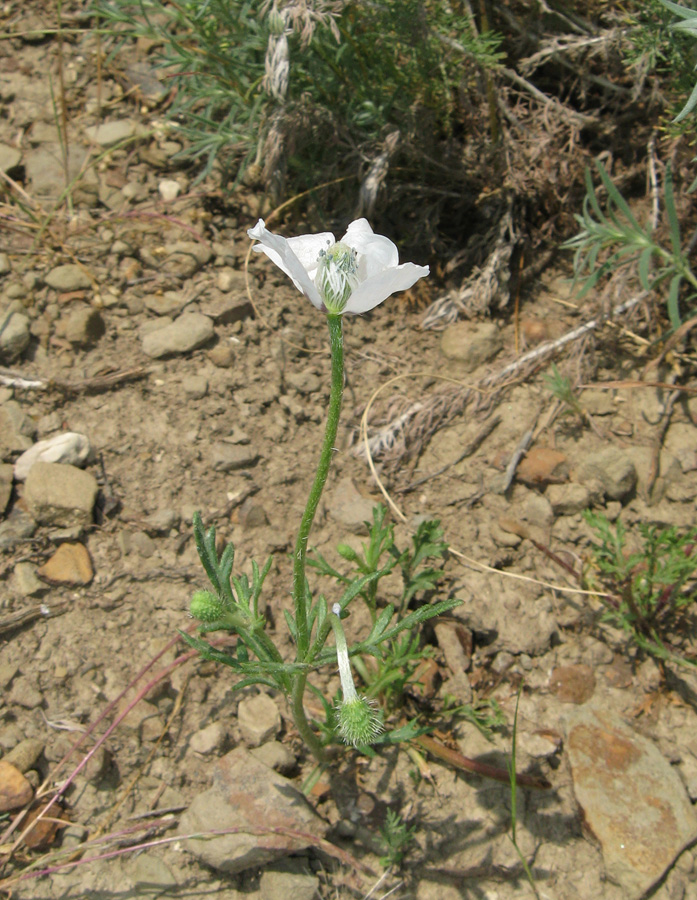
column 286, row 254
column 375, row 252
column 378, row 288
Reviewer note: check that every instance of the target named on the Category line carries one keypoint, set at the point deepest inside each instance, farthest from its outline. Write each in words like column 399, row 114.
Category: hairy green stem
column 337, row 388
column 300, row 598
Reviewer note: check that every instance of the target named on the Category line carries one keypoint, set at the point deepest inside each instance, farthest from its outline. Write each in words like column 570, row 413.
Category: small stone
column 246, row 794
column 169, row 189
column 69, row 277
column 8, row 671
column 43, row 832
column 15, row 335
column 631, row 798
column 229, row 279
column 539, row 744
column 568, row 499
column 6, row 473
column 83, row 327
column 304, row 382
column 108, row 133
column 15, row 790
column 18, row 526
column 169, row 303
column 542, row 465
column 210, row 739
column 143, row 544
column 252, row 514
column 350, row 507
column 25, row 754
column 471, row 343
column 287, row 886
column 26, row 582
column 10, row 158
column 5, row 266
column 227, row 310
column 144, row 719
column 25, row 693
column 232, row 457
column 185, row 258
column 70, row 564
column 457, row 660
column 222, row 355
column 613, row 468
column 63, row 495
column 185, row 334
column 152, row 876
column 68, row 448
column 259, row 719
column 572, row 684
column 161, row 522
column 276, row 756
column 16, row 429
column 195, row 387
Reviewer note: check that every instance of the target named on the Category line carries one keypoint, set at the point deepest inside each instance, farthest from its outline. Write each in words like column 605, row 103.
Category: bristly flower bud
column 207, row 607
column 360, row 721
column 337, row 276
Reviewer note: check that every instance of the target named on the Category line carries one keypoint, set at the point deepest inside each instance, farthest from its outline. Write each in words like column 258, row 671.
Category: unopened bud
column 207, row 607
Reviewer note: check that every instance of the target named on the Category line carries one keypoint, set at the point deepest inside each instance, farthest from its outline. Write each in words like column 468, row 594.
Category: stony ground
column 176, row 378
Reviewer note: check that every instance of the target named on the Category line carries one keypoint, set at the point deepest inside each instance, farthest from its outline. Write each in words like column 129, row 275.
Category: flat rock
column 632, row 799
column 572, row 684
column 543, row 465
column 26, row 582
column 82, row 327
column 185, row 258
column 15, row 335
column 252, row 514
column 18, row 526
column 471, row 343
column 276, row 756
column 522, row 617
column 25, row 754
column 45, row 169
column 246, row 794
column 10, row 158
column 186, row 333
column 24, row 692
column 350, row 507
column 168, row 303
column 15, row 790
column 70, row 564
column 259, row 719
column 16, row 429
column 287, row 885
column 568, row 499
column 152, row 876
column 69, row 447
column 108, row 133
column 227, row 309
column 57, row 494
column 613, row 468
column 69, row 277
column 304, row 382
column 232, row 457
column 6, row 473
column 209, row 739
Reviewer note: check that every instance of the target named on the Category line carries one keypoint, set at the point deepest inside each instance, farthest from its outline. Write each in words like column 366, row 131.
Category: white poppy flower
column 352, row 275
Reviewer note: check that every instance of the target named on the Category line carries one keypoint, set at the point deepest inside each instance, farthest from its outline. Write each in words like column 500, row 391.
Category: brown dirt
column 153, row 437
